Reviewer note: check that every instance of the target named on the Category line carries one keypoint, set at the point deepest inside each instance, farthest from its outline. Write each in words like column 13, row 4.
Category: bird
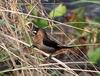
column 42, row 41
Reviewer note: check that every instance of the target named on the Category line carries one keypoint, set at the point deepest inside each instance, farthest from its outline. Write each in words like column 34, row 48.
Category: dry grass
column 16, row 42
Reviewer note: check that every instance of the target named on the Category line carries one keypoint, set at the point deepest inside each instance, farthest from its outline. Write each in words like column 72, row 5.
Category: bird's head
column 37, row 33
column 33, row 29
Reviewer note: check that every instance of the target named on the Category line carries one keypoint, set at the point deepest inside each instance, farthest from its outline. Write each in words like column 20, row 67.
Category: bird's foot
column 48, row 59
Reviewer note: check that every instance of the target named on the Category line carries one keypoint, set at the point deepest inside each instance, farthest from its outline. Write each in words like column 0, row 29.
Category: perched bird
column 42, row 41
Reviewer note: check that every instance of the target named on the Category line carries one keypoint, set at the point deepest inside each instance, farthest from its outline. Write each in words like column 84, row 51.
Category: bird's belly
column 47, row 48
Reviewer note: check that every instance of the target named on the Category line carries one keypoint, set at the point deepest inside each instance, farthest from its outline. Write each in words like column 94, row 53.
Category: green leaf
column 58, row 11
column 41, row 23
column 33, row 10
column 94, row 55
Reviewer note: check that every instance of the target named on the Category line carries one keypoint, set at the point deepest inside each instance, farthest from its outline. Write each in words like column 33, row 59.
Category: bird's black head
column 34, row 29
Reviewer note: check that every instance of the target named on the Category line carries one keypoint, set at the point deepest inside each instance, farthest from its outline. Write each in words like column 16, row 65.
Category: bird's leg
column 48, row 59
column 50, row 56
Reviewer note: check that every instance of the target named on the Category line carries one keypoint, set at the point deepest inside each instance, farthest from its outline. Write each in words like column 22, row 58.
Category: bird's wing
column 51, row 43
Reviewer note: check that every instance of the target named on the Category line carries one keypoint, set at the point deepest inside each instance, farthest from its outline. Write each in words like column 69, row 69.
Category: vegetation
column 74, row 23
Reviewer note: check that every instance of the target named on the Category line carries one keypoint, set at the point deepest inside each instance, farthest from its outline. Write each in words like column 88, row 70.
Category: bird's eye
column 34, row 32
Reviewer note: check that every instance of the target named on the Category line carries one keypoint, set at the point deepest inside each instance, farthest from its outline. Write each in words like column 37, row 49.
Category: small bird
column 42, row 41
